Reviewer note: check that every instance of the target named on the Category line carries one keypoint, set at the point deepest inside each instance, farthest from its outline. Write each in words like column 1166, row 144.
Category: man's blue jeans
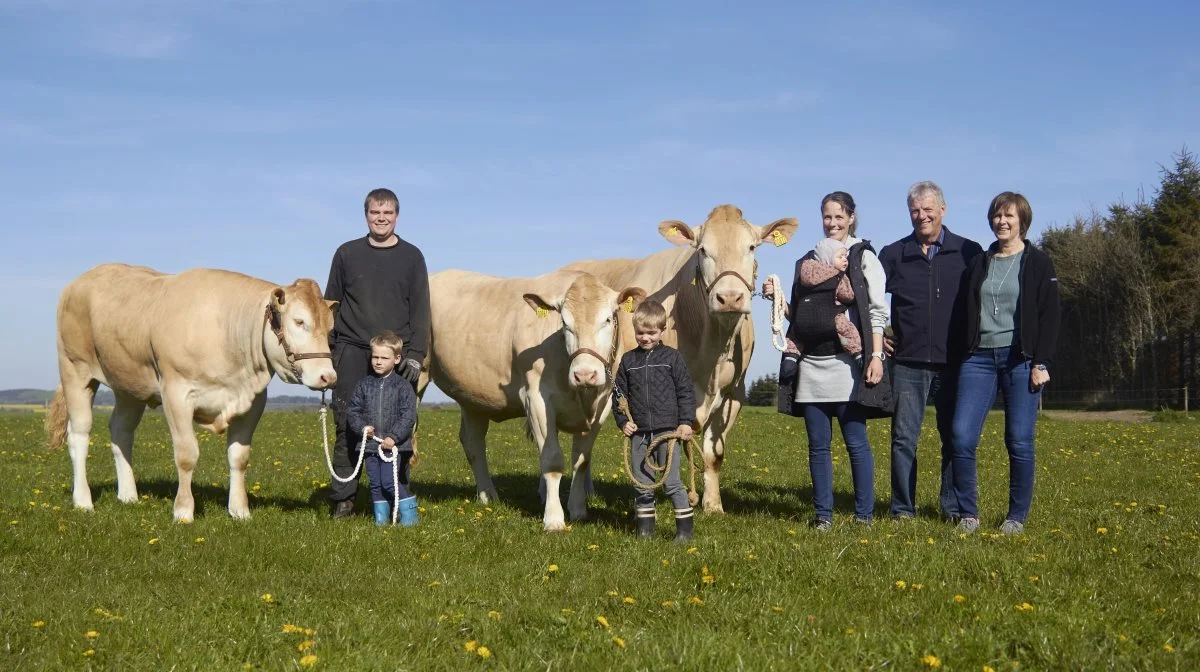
column 911, row 383
column 985, row 371
column 818, row 423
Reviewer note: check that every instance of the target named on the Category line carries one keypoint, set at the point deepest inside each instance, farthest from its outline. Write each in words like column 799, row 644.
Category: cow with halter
column 203, row 344
column 706, row 288
column 540, row 348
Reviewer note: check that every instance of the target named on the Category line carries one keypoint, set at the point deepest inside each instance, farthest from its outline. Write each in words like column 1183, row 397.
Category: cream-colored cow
column 706, row 288
column 203, row 344
column 541, row 348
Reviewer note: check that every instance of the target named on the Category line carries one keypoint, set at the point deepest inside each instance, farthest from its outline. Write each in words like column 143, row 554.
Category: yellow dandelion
column 665, row 562
column 592, row 547
column 691, row 549
column 39, row 623
column 1101, row 530
column 901, row 584
column 930, row 541
column 777, row 609
column 305, row 645
column 1024, row 607
column 619, row 642
column 434, row 584
column 267, row 597
column 850, row 631
column 918, row 586
column 696, row 601
column 471, row 646
column 1122, row 638
column 309, row 632
column 959, row 599
column 602, row 621
column 484, row 652
column 199, row 540
column 1034, row 578
column 552, row 569
column 931, row 661
column 1168, row 648
column 89, row 653
column 91, row 634
column 308, row 660
column 460, row 531
column 154, row 541
column 668, row 603
column 988, row 668
column 494, row 615
column 14, row 522
column 629, row 600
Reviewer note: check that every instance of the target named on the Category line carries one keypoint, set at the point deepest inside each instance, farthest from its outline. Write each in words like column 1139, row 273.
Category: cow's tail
column 56, row 420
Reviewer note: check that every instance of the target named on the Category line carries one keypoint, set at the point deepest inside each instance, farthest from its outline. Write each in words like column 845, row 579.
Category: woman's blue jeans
column 982, row 374
column 818, row 423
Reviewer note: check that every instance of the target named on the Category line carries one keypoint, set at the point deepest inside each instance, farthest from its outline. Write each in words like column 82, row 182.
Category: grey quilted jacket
column 386, row 403
column 658, row 387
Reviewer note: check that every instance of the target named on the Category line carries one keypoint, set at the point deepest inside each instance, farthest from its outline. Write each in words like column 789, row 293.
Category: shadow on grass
column 743, row 497
column 206, row 497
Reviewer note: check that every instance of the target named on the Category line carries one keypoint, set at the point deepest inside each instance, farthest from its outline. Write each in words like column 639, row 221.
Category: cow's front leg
column 127, row 413
column 714, row 452
column 238, row 438
column 581, row 478
column 540, row 415
column 187, row 451
column 472, row 433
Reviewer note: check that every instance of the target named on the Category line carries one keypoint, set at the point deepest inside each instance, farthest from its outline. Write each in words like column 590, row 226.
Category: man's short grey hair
column 926, row 187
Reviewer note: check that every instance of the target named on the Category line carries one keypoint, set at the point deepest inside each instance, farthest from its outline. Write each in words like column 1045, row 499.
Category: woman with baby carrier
column 833, row 366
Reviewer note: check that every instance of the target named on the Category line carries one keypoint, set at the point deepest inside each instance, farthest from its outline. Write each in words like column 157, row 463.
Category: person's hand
column 1038, row 378
column 389, row 443
column 889, row 346
column 874, row 371
column 629, row 428
column 768, row 290
column 368, row 432
column 410, row 370
column 685, row 433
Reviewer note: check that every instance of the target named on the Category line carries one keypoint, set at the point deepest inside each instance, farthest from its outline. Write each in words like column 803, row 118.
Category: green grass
column 1109, row 568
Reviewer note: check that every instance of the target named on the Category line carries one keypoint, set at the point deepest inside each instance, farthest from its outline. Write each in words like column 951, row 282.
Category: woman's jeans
column 985, row 371
column 818, row 422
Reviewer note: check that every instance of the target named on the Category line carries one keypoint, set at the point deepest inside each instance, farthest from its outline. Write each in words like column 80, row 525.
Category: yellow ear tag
column 693, row 282
column 627, row 305
column 674, row 231
column 541, row 312
column 778, row 238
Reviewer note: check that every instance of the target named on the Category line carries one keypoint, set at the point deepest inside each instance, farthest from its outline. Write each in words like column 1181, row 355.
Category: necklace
column 997, row 286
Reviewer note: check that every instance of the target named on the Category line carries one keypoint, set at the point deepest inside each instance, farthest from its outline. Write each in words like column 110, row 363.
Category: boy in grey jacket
column 655, row 382
column 383, row 407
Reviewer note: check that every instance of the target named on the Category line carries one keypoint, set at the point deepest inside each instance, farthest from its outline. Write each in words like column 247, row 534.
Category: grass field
column 1106, row 577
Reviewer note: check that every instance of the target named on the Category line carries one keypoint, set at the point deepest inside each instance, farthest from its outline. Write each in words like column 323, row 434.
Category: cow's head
column 725, row 247
column 297, row 337
column 589, row 315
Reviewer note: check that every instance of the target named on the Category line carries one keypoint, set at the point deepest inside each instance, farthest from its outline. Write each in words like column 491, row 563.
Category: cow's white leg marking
column 545, row 436
column 79, row 429
column 472, row 433
column 187, row 451
column 237, row 441
column 581, row 479
column 127, row 413
column 720, row 420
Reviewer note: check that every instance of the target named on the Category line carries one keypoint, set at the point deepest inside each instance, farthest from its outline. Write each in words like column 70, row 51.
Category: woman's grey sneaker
column 862, row 521
column 1012, row 527
column 968, row 525
column 822, row 525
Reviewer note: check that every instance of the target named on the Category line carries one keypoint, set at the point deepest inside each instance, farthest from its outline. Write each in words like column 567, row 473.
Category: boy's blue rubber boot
column 383, row 513
column 408, row 511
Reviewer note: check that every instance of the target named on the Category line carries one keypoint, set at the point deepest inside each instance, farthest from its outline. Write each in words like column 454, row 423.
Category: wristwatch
column 880, row 355
column 1040, row 367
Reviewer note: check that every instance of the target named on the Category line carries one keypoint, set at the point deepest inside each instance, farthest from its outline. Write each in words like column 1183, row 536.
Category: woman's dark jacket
column 1037, row 318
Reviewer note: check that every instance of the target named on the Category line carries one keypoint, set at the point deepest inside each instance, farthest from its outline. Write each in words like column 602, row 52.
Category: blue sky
column 521, row 136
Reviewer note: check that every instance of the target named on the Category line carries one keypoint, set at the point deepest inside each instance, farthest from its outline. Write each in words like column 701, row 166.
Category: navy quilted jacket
column 386, row 403
column 658, row 387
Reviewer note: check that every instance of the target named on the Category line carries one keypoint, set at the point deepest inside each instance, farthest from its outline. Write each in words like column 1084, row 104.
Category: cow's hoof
column 713, row 507
column 239, row 514
column 127, row 498
column 84, row 506
column 554, row 526
column 183, row 518
column 488, row 497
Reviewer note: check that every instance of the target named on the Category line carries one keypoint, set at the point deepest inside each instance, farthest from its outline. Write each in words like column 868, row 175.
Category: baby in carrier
column 827, row 296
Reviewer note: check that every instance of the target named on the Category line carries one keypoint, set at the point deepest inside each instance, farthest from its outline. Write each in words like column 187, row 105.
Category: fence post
column 1185, row 401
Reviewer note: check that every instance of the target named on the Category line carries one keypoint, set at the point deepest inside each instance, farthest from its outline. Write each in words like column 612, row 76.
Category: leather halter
column 608, row 361
column 709, row 286
column 273, row 319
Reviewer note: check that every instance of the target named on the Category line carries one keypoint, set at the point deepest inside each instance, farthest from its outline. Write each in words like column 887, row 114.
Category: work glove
column 410, row 370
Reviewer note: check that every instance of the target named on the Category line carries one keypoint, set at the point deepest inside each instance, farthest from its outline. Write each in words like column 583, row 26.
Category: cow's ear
column 779, row 231
column 677, row 233
column 333, row 306
column 630, row 298
column 540, row 306
column 278, row 297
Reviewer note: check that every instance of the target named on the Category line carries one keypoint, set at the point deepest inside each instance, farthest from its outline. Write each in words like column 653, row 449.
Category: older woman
column 830, row 382
column 1009, row 339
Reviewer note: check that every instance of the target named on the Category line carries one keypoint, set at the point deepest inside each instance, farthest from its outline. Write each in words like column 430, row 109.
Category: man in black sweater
column 382, row 284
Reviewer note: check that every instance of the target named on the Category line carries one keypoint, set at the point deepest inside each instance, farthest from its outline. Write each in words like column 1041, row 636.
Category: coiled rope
column 673, row 438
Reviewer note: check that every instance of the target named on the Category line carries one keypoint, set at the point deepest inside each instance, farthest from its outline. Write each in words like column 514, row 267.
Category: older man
column 924, row 274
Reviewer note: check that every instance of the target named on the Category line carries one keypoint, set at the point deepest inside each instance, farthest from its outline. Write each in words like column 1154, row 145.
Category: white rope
column 362, row 450
column 395, row 475
column 777, row 310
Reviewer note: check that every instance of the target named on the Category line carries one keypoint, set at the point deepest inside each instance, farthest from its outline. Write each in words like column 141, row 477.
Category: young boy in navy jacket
column 384, row 405
column 655, row 382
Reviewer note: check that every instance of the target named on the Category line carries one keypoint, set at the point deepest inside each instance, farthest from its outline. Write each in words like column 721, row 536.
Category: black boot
column 645, row 522
column 684, row 524
column 343, row 509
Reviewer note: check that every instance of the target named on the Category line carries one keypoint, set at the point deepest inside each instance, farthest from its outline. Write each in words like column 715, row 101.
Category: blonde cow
column 540, row 348
column 706, row 288
column 203, row 344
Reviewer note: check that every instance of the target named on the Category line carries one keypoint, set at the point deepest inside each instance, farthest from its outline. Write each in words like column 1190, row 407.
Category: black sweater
column 1037, row 318
column 658, row 387
column 380, row 288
